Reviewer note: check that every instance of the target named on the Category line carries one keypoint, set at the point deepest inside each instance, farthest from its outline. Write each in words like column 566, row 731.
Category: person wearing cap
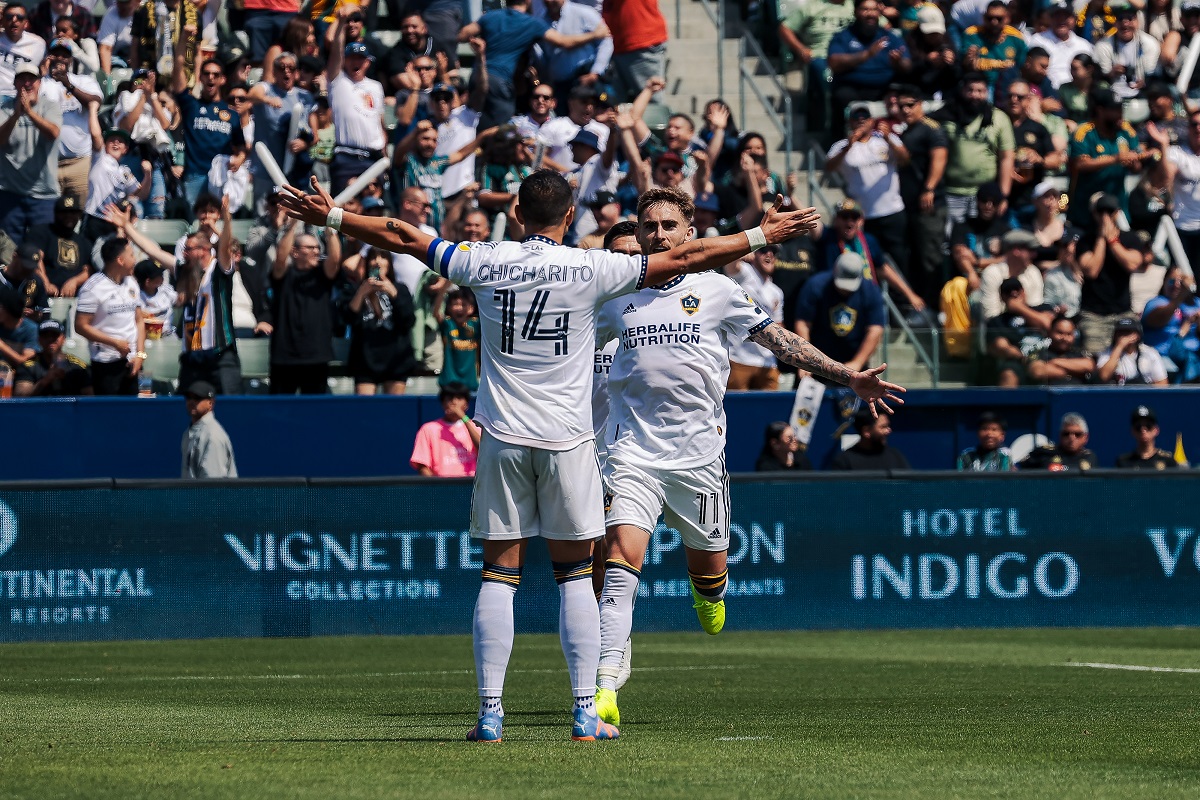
column 157, row 299
column 752, row 366
column 210, row 127
column 457, row 122
column 975, row 242
column 30, row 124
column 1069, row 454
column 1129, row 361
column 989, row 454
column 595, row 174
column 864, row 58
column 708, row 215
column 845, row 234
column 994, row 47
column 935, row 64
column 558, row 133
column 1048, row 224
column 841, row 313
column 108, row 316
column 869, row 159
column 1108, row 257
column 74, row 92
column 1036, row 151
column 1128, row 57
column 18, row 46
column 605, row 210
column 807, row 32
column 1016, row 332
column 1061, row 42
column 357, row 105
column 273, row 105
column 1146, row 453
column 52, row 373
column 66, row 251
column 871, row 452
column 115, row 36
column 982, row 148
column 207, row 450
column 562, row 67
column 110, row 181
column 508, row 33
column 18, row 334
column 1018, row 246
column 25, row 275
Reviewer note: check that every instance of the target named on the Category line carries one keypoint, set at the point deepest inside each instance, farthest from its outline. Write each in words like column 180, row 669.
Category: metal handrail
column 816, row 157
column 784, row 125
column 890, row 310
column 716, row 15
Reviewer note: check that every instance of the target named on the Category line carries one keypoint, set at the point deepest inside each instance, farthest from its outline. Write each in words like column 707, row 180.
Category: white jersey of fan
column 537, row 303
column 668, row 377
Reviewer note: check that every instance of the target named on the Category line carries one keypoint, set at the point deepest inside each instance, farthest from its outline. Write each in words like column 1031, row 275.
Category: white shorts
column 694, row 501
column 521, row 492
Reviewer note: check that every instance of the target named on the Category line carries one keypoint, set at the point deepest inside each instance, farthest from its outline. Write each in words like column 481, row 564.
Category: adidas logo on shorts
column 629, row 309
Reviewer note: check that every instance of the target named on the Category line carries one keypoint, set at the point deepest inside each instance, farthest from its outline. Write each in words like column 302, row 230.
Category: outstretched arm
column 390, row 234
column 792, row 349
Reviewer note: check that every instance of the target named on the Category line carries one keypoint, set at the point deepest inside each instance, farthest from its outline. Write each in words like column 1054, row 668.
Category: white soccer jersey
column 537, row 304
column 357, row 112
column 668, row 377
column 769, row 298
column 601, row 365
column 114, row 309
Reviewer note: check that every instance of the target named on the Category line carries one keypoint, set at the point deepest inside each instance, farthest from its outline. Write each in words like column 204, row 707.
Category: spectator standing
column 112, row 182
column 155, row 29
column 448, row 447
column 414, row 43
column 357, row 105
column 52, row 373
column 1182, row 163
column 210, row 127
column 864, row 58
column 1076, row 93
column 157, row 299
column 205, row 281
column 872, row 451
column 1128, row 360
column 558, row 133
column 207, row 451
column 1107, row 257
column 115, row 36
column 66, row 251
column 1146, row 454
column 413, row 100
column 841, row 314
column 1061, row 360
column 265, row 21
column 457, row 125
column 807, row 32
column 48, row 12
column 426, row 171
column 444, row 19
column 460, row 339
column 302, row 311
column 752, row 366
column 381, row 318
column 18, row 47
column 274, row 104
column 75, row 93
column 1061, row 42
column 869, row 160
column 1071, row 452
column 935, row 67
column 30, row 124
column 109, row 317
column 781, row 451
column 541, row 110
column 1102, row 153
column 639, row 36
column 18, row 335
column 982, row 148
column 1035, row 151
column 25, row 275
column 1171, row 322
column 989, row 454
column 994, row 48
column 1018, row 246
column 1016, row 333
column 975, row 242
column 924, row 192
column 845, row 234
column 563, row 67
column 1130, row 56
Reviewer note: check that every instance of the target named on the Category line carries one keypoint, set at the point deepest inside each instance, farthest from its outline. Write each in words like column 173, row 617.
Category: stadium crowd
column 985, row 152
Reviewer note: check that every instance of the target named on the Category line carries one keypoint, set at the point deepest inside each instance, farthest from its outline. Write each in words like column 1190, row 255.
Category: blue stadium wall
column 109, row 560
column 373, row 436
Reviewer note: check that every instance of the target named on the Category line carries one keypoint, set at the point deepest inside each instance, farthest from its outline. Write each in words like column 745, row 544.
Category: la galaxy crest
column 690, row 303
column 842, row 318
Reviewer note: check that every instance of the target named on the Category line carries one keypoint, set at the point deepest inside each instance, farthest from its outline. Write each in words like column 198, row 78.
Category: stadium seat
column 162, row 360
column 241, row 229
column 255, row 355
column 656, row 117
column 78, row 347
column 164, row 232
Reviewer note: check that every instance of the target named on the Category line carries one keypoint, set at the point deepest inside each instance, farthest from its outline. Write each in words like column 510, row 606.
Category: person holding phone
column 381, row 317
column 1171, row 324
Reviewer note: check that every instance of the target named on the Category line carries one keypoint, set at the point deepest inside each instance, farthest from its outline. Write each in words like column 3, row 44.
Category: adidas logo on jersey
column 716, row 534
column 629, row 309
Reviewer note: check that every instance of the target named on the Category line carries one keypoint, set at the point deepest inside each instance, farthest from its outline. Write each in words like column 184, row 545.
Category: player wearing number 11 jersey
column 536, row 473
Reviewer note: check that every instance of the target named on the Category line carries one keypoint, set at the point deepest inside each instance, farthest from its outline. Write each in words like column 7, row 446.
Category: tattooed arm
column 791, row 349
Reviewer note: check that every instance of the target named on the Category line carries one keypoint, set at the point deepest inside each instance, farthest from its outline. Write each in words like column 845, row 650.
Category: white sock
column 490, row 705
column 616, row 619
column 493, row 636
column 579, row 631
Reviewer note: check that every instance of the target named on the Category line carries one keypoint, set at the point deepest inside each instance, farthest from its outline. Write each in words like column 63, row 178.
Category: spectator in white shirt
column 1061, row 42
column 17, row 45
column 1130, row 55
column 110, row 181
column 75, row 93
column 109, row 317
column 1129, row 361
column 1182, row 163
column 116, row 34
column 1018, row 246
column 752, row 366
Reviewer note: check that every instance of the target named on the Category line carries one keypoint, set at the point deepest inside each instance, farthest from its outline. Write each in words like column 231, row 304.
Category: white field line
column 300, row 677
column 741, row 738
column 1131, row 667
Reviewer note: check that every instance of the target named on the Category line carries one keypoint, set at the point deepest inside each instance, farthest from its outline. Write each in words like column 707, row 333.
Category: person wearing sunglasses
column 1069, row 454
column 273, row 105
column 1146, row 454
column 17, row 45
column 994, row 47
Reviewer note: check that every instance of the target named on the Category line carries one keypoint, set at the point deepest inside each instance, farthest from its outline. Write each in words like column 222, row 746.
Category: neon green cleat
column 606, row 706
column 712, row 615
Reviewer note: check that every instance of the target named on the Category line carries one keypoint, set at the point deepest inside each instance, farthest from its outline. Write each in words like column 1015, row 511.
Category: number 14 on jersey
column 531, row 330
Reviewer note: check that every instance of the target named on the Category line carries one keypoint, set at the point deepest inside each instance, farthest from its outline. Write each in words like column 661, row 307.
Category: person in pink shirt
column 447, row 447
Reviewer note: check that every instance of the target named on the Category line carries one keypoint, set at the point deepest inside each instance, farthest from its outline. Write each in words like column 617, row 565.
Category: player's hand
column 311, row 208
column 870, row 387
column 779, row 226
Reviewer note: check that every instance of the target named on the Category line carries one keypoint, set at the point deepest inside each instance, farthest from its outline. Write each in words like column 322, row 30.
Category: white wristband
column 757, row 238
column 334, row 220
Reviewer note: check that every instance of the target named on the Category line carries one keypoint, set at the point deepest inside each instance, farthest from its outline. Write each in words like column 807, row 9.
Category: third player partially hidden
column 665, row 437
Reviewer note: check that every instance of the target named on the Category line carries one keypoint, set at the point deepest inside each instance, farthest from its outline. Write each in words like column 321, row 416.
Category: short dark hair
column 865, row 419
column 622, row 229
column 1041, row 52
column 464, row 294
column 454, row 389
column 111, row 249
column 204, row 200
column 673, row 197
column 544, row 198
column 997, row 4
column 1061, row 318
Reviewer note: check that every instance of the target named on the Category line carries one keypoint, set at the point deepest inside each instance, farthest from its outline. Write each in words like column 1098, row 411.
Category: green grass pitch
column 910, row 714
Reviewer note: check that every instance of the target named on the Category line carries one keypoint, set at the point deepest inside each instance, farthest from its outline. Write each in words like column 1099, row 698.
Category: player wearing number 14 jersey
column 666, row 425
column 537, row 472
